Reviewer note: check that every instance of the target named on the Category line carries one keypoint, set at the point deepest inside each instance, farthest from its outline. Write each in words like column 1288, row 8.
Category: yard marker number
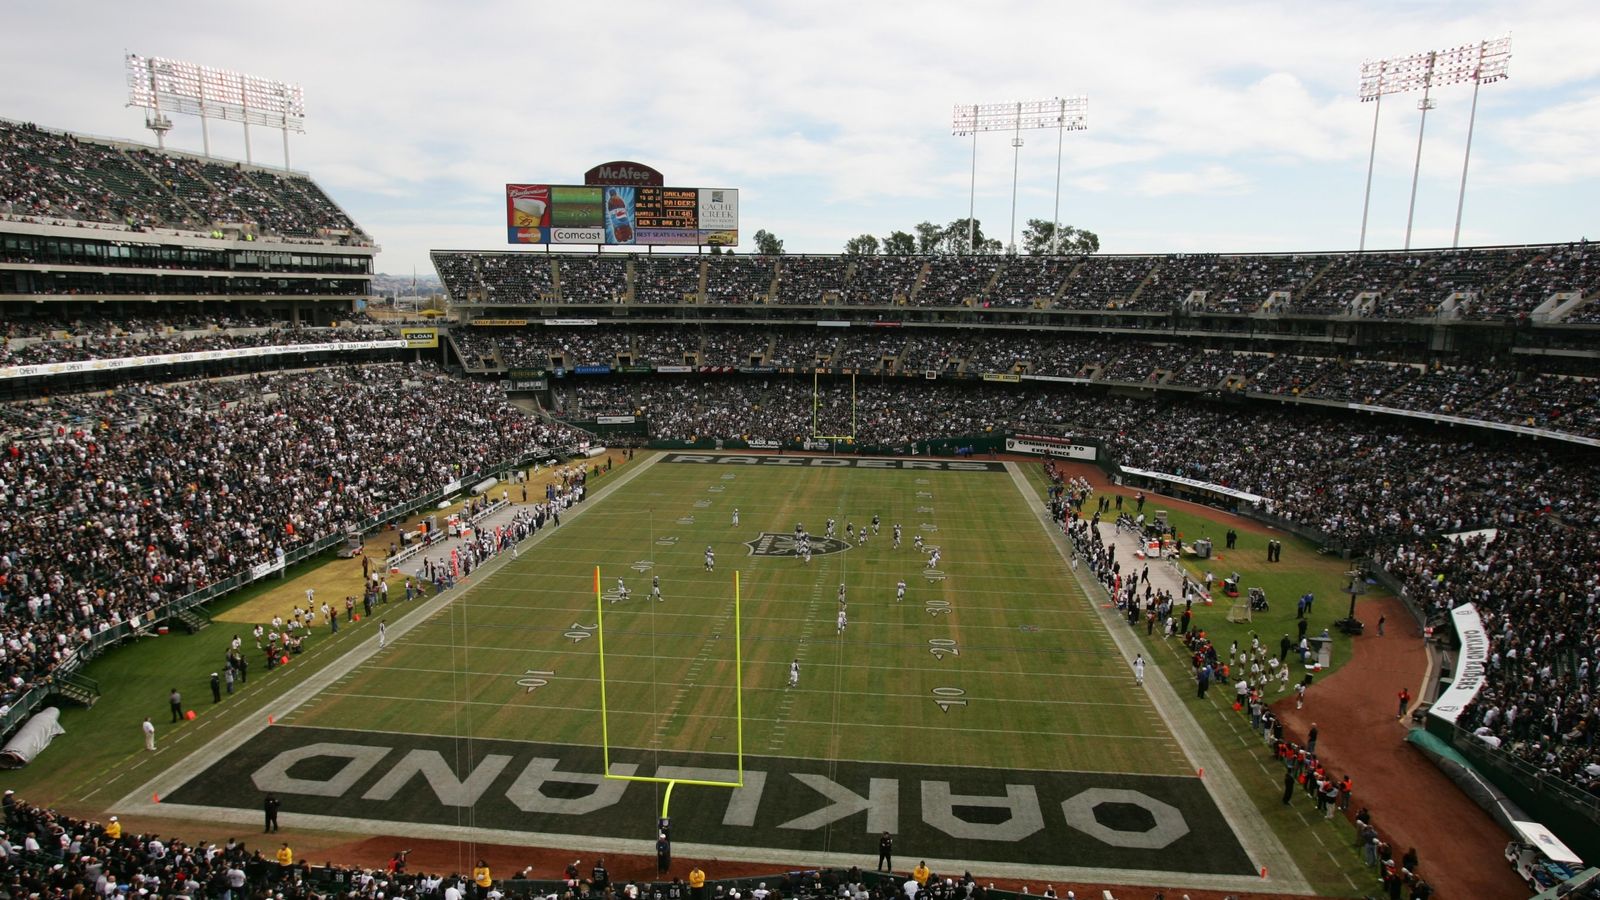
column 941, row 646
column 946, row 697
column 532, row 680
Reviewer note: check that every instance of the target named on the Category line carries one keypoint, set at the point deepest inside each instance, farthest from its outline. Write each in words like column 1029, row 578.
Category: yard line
column 887, row 695
column 1119, row 676
column 1098, row 633
column 943, row 729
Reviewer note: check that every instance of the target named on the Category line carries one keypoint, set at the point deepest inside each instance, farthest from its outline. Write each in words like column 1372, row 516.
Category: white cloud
column 1210, row 180
column 833, row 116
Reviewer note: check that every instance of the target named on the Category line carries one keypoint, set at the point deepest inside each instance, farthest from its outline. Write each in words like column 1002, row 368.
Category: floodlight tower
column 1061, row 113
column 154, row 82
column 1482, row 63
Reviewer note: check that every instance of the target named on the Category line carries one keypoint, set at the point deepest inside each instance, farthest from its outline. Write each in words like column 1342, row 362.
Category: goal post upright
column 600, row 633
column 816, row 408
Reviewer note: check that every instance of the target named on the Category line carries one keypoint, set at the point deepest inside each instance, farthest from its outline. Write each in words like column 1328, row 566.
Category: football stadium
column 1202, row 573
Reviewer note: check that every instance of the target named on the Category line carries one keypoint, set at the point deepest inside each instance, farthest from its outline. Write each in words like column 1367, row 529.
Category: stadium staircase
column 922, row 279
column 1133, row 295
column 192, row 619
column 1306, row 289
column 988, row 286
column 169, row 186
column 771, row 296
column 78, row 688
column 1064, row 286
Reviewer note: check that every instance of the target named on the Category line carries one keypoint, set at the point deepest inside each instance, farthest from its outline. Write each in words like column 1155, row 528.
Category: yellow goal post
column 605, row 720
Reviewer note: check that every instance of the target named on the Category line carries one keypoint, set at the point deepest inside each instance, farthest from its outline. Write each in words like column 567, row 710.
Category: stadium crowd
column 112, row 346
column 136, row 498
column 1492, row 393
column 1504, row 283
column 51, row 175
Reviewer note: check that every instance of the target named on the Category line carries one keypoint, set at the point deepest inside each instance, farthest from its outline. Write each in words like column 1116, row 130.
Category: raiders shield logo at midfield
column 774, row 544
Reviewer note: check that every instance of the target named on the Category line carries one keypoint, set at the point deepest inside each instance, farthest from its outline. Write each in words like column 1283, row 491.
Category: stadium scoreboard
column 620, row 204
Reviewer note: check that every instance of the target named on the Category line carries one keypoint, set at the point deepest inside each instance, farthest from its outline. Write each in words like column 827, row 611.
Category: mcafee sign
column 625, row 173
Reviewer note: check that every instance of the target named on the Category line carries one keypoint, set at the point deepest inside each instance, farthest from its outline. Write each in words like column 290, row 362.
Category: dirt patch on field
column 1413, row 804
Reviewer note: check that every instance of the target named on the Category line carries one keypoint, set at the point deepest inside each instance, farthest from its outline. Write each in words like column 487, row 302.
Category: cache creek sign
column 1079, row 819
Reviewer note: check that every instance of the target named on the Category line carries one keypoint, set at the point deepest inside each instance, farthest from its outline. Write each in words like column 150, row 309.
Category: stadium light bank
column 1064, row 114
column 1482, row 63
column 157, row 84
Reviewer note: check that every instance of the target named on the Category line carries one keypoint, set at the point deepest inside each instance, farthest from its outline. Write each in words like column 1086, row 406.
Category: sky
column 1212, row 127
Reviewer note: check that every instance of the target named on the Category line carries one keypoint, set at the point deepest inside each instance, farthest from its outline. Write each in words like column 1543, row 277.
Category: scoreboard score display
column 611, row 214
column 656, row 207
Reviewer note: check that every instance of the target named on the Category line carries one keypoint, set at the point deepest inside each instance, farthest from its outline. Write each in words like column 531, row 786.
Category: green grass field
column 1001, row 645
column 996, row 677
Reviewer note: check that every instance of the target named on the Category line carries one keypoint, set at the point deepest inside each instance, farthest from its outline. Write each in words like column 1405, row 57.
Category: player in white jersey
column 711, row 559
column 736, row 517
column 900, row 590
column 863, row 537
column 843, row 620
column 830, row 528
column 622, row 592
column 805, row 553
column 655, row 589
column 933, row 559
column 794, row 673
column 917, row 541
column 897, row 535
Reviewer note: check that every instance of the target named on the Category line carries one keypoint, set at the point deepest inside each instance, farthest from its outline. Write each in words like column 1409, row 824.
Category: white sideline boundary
column 1260, row 842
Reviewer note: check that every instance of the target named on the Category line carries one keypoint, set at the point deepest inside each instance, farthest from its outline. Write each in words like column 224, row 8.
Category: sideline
column 1261, row 843
column 178, row 774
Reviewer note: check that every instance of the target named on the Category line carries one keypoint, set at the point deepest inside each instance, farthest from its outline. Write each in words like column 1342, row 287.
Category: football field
column 986, row 716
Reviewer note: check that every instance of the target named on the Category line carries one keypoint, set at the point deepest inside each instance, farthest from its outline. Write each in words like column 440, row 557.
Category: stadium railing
column 1549, row 798
column 112, row 635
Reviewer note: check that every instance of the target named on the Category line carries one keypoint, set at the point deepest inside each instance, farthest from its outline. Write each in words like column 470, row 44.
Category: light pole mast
column 1062, row 114
column 1482, row 63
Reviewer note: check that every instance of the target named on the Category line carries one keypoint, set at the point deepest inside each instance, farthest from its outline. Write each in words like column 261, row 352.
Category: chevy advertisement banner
column 35, row 370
